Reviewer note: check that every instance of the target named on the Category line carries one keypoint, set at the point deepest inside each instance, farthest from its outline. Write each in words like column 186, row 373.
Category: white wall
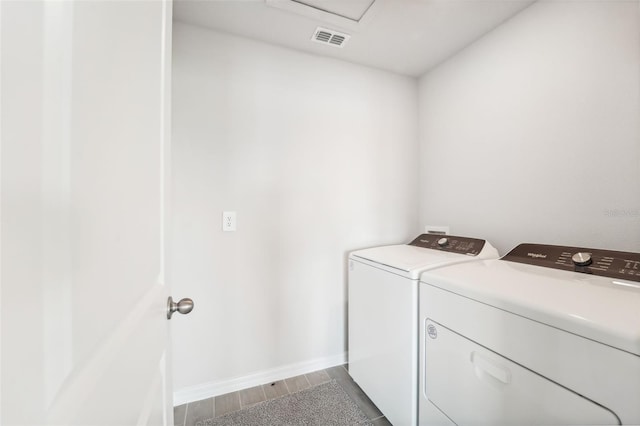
column 532, row 134
column 318, row 157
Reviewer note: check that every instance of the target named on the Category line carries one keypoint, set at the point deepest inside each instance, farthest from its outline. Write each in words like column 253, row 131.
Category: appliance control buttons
column 605, row 263
column 443, row 242
column 581, row 259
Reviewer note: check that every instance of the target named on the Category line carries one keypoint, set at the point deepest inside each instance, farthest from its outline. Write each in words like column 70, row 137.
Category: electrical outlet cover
column 228, row 221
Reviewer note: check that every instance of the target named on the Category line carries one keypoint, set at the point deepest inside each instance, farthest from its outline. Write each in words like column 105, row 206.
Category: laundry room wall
column 318, row 157
column 532, row 133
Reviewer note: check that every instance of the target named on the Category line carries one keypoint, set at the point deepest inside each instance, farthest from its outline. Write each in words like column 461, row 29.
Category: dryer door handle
column 489, row 370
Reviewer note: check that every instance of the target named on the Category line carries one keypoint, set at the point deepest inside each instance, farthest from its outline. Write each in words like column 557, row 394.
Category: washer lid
column 410, row 260
column 598, row 308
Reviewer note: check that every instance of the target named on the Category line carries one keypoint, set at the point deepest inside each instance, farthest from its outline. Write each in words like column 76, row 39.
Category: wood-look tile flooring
column 196, row 413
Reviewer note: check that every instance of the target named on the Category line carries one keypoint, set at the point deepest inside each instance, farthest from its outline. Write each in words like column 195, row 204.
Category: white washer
column 383, row 316
column 545, row 335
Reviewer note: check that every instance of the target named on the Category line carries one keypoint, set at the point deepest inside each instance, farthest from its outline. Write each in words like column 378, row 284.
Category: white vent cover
column 330, row 37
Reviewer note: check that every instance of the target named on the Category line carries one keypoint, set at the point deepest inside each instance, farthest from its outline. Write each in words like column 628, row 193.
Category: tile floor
column 196, row 413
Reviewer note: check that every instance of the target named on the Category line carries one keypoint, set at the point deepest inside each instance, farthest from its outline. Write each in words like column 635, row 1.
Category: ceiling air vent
column 330, row 37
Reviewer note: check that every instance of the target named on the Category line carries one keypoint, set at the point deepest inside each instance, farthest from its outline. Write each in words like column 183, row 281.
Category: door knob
column 184, row 306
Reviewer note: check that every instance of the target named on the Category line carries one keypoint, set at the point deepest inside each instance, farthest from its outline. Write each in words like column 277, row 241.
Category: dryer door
column 473, row 385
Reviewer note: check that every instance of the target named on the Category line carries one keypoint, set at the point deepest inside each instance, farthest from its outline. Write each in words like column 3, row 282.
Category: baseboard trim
column 211, row 389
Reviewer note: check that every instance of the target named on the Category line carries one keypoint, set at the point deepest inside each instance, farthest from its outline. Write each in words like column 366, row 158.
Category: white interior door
column 85, row 114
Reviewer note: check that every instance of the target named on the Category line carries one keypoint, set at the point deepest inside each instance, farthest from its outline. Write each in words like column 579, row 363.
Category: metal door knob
column 184, row 306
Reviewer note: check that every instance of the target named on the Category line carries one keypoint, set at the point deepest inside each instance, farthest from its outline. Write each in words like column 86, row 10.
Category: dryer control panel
column 607, row 263
column 450, row 243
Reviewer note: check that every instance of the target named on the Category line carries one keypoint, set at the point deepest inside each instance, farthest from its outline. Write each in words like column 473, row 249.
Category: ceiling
column 403, row 36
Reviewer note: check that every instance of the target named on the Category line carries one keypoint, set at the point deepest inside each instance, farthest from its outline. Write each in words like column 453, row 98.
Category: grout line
column 264, row 393
column 186, row 410
column 239, row 401
column 286, row 386
column 308, row 382
column 377, row 418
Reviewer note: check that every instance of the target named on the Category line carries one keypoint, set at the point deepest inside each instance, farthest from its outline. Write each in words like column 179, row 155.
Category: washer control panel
column 450, row 243
column 607, row 263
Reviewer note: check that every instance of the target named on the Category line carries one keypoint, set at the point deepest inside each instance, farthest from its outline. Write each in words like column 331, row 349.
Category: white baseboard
column 210, row 389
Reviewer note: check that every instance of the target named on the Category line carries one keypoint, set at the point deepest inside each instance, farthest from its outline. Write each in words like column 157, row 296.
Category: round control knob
column 581, row 259
column 443, row 241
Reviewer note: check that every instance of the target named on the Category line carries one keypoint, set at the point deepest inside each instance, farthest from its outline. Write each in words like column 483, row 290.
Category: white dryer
column 547, row 335
column 383, row 316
